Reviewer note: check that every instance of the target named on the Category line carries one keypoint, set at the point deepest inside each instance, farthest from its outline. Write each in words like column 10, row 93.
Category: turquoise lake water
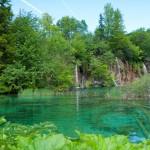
column 88, row 115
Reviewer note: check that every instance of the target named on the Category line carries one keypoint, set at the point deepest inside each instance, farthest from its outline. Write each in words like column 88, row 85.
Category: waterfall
column 83, row 81
column 118, row 73
column 77, row 86
column 118, row 67
column 76, row 76
column 83, row 78
column 144, row 69
column 115, row 83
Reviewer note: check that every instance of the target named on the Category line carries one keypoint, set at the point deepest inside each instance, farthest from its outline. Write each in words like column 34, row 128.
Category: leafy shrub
column 11, row 134
column 140, row 88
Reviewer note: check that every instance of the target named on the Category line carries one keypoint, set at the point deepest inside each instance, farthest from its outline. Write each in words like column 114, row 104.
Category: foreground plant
column 10, row 133
column 42, row 137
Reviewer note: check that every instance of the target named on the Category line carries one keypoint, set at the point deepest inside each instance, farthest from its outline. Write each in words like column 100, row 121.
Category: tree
column 6, row 41
column 124, row 49
column 112, row 29
column 141, row 38
column 48, row 28
column 80, row 55
column 118, row 26
column 100, row 72
column 59, row 64
column 46, row 23
column 101, row 27
column 108, row 58
column 108, row 20
column 79, row 49
column 110, row 23
column 101, row 47
column 58, row 55
column 28, row 67
column 71, row 26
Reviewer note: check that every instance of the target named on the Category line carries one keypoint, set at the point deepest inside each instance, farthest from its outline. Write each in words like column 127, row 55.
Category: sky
column 136, row 13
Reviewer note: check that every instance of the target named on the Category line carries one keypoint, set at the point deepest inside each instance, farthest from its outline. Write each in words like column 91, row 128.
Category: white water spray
column 144, row 69
column 76, row 76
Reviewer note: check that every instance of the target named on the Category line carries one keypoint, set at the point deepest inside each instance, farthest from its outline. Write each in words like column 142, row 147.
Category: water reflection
column 77, row 100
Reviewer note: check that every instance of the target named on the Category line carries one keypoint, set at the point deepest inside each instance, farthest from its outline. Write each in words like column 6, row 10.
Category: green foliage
column 111, row 29
column 100, row 71
column 61, row 78
column 118, row 26
column 108, row 20
column 108, row 58
column 46, row 24
column 35, row 92
column 123, row 48
column 42, row 137
column 101, row 47
column 54, row 142
column 140, row 88
column 71, row 26
column 114, row 93
column 141, row 38
column 26, row 71
column 35, row 53
column 88, row 83
column 15, row 136
column 111, row 22
column 59, row 56
column 14, row 78
column 79, row 49
column 2, row 120
column 100, row 31
column 6, row 40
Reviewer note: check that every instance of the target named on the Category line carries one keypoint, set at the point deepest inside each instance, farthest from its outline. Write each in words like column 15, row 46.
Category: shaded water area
column 86, row 114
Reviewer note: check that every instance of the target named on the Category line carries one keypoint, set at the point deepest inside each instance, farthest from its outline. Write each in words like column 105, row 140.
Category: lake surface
column 88, row 115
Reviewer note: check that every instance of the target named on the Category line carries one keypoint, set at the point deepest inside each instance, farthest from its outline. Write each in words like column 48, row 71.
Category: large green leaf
column 2, row 120
column 49, row 142
column 93, row 141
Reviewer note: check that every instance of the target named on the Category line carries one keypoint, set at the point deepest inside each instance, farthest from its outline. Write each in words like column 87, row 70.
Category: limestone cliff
column 125, row 72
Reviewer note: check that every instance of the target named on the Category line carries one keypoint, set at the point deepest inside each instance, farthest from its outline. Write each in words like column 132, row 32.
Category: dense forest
column 35, row 53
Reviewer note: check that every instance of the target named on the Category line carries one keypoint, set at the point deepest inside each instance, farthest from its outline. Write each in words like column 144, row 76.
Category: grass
column 114, row 93
column 35, row 92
